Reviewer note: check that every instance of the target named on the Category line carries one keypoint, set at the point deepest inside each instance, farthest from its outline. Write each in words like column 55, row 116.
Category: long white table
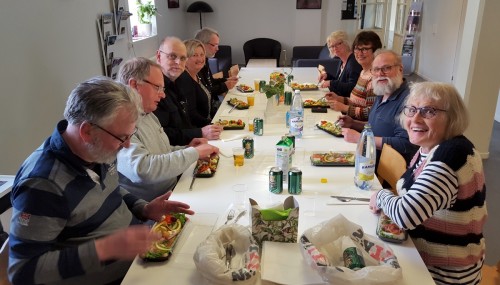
column 211, row 198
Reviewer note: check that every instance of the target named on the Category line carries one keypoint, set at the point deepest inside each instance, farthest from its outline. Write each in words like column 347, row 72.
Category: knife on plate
column 194, row 177
column 351, row 198
column 235, row 105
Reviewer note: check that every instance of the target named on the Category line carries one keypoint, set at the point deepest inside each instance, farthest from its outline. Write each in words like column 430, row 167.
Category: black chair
column 306, row 52
column 222, row 61
column 262, row 48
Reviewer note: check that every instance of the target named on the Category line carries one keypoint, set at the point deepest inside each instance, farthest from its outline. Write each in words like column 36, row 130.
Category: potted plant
column 145, row 11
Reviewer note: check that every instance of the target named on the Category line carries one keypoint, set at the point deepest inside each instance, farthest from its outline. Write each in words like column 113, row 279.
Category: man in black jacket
column 210, row 38
column 171, row 111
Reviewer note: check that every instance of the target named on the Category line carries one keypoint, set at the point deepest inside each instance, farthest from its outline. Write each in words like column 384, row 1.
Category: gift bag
column 212, row 261
column 278, row 224
column 322, row 248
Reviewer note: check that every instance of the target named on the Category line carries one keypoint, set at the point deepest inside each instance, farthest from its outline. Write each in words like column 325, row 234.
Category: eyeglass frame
column 174, row 57
column 337, row 45
column 362, row 50
column 122, row 141
column 426, row 112
column 385, row 69
column 213, row 45
column 159, row 89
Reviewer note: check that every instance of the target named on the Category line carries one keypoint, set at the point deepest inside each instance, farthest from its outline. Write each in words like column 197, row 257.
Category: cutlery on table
column 348, row 199
column 241, row 214
column 235, row 105
column 194, row 177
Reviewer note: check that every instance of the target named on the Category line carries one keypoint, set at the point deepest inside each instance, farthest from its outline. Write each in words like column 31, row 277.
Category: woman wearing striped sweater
column 441, row 198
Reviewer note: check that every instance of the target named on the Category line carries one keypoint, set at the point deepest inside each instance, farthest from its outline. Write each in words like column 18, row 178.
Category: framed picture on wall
column 173, row 3
column 308, row 4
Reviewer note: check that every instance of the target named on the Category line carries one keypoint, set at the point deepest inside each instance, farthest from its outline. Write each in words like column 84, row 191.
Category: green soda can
column 276, row 180
column 258, row 126
column 248, row 145
column 353, row 258
column 294, row 181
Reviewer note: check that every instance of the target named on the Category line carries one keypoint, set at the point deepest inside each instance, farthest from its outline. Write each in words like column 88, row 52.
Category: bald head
column 172, row 56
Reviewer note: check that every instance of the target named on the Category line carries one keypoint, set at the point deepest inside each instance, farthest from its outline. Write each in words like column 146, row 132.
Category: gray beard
column 99, row 155
column 392, row 85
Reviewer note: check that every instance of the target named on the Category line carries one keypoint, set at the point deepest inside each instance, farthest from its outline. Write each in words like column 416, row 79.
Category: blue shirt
column 383, row 119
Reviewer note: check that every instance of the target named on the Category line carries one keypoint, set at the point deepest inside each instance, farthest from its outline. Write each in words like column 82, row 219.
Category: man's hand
column 231, row 82
column 197, row 141
column 205, row 150
column 211, row 132
column 332, row 96
column 125, row 244
column 160, row 206
column 350, row 135
column 345, row 121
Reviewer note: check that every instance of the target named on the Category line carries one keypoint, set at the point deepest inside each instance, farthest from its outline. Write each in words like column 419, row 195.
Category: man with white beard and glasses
column 391, row 90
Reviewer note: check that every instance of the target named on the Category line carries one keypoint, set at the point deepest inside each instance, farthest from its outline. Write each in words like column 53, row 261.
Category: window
column 401, row 16
column 372, row 14
column 141, row 31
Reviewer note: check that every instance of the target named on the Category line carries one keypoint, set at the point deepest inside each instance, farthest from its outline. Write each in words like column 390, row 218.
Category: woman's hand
column 322, row 76
column 337, row 106
column 373, row 203
column 325, row 84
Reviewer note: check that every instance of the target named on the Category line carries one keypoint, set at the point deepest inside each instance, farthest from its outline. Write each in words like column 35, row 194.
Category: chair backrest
column 224, row 58
column 390, row 167
column 4, row 263
column 324, row 53
column 303, row 52
column 262, row 48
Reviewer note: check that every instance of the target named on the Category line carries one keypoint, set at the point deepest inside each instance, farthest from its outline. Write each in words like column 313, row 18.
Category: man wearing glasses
column 71, row 221
column 171, row 111
column 150, row 165
column 391, row 90
column 210, row 39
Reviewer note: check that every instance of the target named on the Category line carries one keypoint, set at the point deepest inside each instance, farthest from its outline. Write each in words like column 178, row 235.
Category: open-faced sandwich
column 207, row 168
column 169, row 227
column 231, row 124
column 241, row 105
column 310, row 103
column 333, row 158
column 244, row 88
column 330, row 128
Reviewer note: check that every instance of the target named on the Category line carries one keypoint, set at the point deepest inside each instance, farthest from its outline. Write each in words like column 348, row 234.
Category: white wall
column 49, row 46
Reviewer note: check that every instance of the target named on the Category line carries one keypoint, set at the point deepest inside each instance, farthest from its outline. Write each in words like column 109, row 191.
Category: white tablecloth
column 211, row 198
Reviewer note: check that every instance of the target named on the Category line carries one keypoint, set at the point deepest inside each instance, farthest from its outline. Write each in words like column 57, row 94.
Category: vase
column 144, row 30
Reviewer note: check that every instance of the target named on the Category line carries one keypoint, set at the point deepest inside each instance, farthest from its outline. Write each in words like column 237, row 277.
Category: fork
column 230, row 216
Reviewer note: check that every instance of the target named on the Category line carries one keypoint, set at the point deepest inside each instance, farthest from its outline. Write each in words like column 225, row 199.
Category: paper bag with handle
column 276, row 224
column 323, row 248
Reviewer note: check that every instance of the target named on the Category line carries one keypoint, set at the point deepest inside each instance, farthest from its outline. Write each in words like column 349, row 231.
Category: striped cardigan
column 442, row 204
column 362, row 98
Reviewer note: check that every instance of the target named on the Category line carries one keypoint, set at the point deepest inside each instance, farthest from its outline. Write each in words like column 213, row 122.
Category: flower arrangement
column 277, row 81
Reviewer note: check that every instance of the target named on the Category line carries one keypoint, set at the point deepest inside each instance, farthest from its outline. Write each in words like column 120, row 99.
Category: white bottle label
column 366, row 170
column 296, row 124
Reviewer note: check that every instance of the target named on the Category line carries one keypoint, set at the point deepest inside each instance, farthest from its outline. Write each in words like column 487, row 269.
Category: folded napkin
column 274, row 215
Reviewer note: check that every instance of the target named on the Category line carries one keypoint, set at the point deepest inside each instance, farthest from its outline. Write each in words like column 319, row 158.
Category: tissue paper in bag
column 210, row 258
column 322, row 248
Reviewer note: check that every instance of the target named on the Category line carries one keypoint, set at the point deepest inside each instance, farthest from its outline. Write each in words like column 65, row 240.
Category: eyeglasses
column 159, row 89
column 384, row 69
column 122, row 141
column 173, row 56
column 362, row 50
column 426, row 112
column 214, row 45
column 335, row 45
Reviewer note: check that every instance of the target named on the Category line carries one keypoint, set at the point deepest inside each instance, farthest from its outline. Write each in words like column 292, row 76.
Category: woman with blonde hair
column 199, row 101
column 342, row 80
column 441, row 198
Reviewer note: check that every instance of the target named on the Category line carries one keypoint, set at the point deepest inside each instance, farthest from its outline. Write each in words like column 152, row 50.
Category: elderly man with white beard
column 391, row 90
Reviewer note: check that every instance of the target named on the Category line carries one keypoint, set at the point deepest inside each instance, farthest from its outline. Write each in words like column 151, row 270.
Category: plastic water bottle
column 296, row 115
column 365, row 160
